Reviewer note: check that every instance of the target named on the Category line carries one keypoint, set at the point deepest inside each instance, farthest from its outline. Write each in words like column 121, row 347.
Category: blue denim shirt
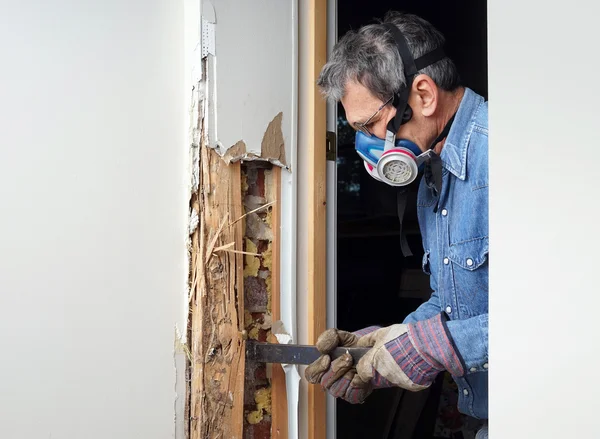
column 456, row 244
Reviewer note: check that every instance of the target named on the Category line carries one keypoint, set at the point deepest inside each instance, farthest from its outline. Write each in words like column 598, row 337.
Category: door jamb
column 317, row 206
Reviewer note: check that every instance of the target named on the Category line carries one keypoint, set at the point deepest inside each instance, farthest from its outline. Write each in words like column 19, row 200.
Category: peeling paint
column 233, row 153
column 272, row 147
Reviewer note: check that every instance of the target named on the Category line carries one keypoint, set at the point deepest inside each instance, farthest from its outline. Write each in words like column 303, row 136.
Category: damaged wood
column 216, row 303
column 279, row 415
column 272, row 148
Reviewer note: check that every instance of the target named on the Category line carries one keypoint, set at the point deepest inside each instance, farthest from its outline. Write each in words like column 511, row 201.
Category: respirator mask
column 396, row 166
column 397, row 162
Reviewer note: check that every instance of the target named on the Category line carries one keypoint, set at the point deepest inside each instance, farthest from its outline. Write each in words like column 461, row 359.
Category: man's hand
column 407, row 356
column 339, row 376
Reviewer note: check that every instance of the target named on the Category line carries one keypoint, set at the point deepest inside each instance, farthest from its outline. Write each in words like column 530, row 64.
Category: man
column 370, row 73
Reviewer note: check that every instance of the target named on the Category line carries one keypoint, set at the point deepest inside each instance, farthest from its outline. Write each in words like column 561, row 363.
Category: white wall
column 252, row 75
column 93, row 179
column 544, row 159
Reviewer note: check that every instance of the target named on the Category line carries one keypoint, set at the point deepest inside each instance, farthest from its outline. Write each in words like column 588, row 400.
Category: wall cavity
column 257, row 191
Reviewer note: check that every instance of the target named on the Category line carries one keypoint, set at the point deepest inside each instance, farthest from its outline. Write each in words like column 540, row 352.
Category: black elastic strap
column 402, row 198
column 430, row 58
column 411, row 68
column 433, row 178
column 433, row 167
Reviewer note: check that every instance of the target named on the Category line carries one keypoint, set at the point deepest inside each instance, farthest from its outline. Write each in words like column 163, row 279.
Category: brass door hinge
column 331, row 146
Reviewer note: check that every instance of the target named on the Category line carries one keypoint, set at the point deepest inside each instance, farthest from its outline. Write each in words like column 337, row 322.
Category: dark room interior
column 376, row 284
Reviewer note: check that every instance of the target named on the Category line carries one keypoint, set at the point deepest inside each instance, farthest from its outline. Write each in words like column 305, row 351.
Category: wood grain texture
column 317, row 209
column 217, row 346
column 279, row 418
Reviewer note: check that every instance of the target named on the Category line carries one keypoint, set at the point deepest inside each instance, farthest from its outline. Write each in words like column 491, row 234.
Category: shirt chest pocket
column 470, row 255
column 470, row 264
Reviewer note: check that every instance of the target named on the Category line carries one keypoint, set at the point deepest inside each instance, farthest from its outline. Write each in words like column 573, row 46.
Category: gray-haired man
column 403, row 96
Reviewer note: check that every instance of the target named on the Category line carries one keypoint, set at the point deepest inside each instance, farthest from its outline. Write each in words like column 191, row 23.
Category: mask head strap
column 404, row 113
column 411, row 68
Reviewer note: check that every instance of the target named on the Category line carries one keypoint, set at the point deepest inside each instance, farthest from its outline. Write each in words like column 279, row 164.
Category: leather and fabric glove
column 409, row 356
column 339, row 376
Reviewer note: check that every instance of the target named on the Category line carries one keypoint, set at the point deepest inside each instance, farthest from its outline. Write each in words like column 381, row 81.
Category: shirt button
column 444, row 212
column 465, row 392
column 473, row 369
column 485, row 366
column 469, row 262
column 446, row 261
column 448, row 310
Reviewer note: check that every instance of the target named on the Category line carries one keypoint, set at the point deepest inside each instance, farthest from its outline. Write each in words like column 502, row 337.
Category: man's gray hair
column 370, row 57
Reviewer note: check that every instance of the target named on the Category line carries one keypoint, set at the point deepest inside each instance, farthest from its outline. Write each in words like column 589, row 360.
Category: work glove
column 409, row 356
column 339, row 376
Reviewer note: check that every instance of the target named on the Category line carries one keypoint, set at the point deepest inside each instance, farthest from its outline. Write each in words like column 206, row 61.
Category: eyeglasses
column 362, row 127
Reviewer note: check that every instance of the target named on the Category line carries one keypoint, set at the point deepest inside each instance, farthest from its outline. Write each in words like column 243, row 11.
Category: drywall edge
column 192, row 83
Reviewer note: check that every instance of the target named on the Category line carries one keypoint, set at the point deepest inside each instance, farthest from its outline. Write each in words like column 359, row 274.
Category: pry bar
column 294, row 354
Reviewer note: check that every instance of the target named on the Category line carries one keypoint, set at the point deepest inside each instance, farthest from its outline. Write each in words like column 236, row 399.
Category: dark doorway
column 375, row 283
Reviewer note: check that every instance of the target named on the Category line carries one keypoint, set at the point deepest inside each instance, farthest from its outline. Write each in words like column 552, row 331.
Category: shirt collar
column 454, row 152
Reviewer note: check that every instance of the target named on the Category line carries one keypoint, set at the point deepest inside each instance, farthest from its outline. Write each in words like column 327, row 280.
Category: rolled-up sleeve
column 470, row 338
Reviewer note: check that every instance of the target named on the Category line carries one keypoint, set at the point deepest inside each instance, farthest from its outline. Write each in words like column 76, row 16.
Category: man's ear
column 425, row 93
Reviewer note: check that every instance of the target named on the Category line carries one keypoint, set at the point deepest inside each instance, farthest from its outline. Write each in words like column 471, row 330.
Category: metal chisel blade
column 294, row 354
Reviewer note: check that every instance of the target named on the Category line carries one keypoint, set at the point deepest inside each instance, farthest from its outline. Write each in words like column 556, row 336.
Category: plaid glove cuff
column 366, row 330
column 425, row 350
column 414, row 366
column 433, row 342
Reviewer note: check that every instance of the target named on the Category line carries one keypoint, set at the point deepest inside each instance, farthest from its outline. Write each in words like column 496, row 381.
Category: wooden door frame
column 317, row 205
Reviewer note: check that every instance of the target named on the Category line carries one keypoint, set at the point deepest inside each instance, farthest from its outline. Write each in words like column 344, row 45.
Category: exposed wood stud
column 279, row 420
column 217, row 345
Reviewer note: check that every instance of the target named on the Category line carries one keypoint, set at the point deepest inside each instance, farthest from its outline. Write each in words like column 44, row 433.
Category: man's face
column 360, row 105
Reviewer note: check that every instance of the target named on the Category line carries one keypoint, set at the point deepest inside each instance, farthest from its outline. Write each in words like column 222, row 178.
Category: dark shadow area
column 376, row 284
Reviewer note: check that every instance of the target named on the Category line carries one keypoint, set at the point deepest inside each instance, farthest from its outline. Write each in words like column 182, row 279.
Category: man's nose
column 379, row 129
